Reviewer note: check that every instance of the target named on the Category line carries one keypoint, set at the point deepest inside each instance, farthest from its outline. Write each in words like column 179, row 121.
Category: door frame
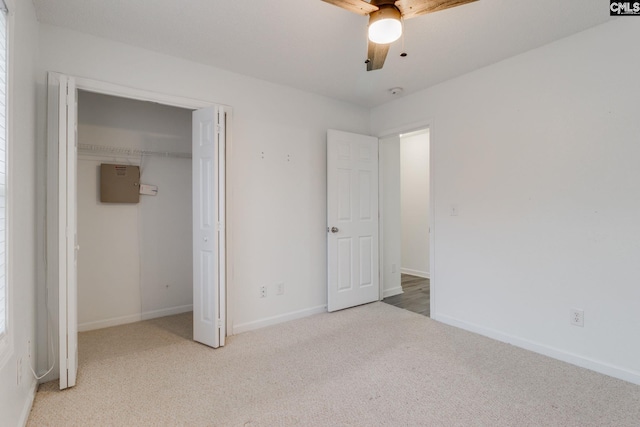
column 57, row 241
column 395, row 132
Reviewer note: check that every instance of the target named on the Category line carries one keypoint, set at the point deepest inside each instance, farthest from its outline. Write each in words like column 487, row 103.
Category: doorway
column 406, row 220
column 209, row 184
column 136, row 258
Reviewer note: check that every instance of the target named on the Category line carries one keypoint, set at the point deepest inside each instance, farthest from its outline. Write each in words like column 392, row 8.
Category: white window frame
column 6, row 341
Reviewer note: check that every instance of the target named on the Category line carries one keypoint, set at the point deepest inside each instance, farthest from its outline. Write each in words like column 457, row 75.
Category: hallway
column 415, row 296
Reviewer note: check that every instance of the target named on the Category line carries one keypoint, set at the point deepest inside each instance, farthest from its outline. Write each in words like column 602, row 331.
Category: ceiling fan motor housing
column 385, row 25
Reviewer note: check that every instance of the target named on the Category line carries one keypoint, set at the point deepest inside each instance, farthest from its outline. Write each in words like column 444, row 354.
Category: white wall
column 135, row 260
column 414, row 177
column 540, row 153
column 15, row 400
column 278, row 199
column 391, row 243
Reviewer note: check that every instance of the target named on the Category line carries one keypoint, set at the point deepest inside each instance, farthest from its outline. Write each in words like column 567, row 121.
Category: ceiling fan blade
column 376, row 54
column 413, row 8
column 360, row 7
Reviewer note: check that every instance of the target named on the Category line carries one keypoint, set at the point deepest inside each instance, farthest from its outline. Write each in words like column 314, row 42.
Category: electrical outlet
column 453, row 210
column 263, row 291
column 576, row 317
column 280, row 288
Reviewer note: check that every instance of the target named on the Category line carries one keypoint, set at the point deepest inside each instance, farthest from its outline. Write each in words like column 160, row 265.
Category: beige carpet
column 374, row 365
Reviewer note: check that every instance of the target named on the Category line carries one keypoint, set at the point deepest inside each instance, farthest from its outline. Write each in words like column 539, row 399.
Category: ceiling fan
column 385, row 21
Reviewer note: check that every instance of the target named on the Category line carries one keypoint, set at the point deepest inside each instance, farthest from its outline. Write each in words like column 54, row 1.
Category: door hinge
column 220, row 323
column 68, row 97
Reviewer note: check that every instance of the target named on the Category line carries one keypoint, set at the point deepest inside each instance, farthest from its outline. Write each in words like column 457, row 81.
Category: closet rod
column 123, row 151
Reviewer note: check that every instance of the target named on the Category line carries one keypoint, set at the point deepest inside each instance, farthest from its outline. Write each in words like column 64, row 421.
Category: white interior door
column 352, row 219
column 67, row 229
column 208, row 226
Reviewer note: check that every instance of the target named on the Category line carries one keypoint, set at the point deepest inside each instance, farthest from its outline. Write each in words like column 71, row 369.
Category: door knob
column 334, row 229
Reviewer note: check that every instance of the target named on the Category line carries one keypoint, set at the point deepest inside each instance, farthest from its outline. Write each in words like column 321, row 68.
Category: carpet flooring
column 373, row 365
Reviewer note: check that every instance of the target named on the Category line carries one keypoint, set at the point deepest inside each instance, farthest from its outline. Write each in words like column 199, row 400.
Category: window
column 3, row 171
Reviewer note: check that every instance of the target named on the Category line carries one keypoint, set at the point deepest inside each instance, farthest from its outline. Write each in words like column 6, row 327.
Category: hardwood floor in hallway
column 416, row 295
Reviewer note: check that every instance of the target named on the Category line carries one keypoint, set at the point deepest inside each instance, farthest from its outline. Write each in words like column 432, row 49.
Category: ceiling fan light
column 384, row 25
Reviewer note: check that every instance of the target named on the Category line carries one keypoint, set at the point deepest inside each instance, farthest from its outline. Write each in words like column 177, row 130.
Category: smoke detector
column 395, row 90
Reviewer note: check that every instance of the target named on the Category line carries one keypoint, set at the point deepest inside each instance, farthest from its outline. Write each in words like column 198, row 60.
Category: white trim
column 123, row 320
column 222, row 206
column 72, row 234
column 406, row 128
column 417, row 273
column 555, row 353
column 120, row 91
column 393, row 291
column 26, row 409
column 228, row 235
column 6, row 337
column 269, row 321
column 432, row 220
column 381, row 263
column 61, row 181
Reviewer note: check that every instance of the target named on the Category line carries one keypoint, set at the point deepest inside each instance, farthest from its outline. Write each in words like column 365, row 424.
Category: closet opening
column 136, row 257
column 161, row 251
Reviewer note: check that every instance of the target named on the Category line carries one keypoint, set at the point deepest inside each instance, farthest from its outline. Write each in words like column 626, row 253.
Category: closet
column 136, row 259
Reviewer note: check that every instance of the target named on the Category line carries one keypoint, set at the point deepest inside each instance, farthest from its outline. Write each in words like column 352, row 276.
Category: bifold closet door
column 208, row 226
column 63, row 90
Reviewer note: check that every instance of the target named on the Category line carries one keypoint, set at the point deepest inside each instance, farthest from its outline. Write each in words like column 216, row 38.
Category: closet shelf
column 124, row 151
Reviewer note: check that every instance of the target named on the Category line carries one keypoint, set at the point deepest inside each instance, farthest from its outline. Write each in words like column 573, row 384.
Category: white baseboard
column 418, row 273
column 555, row 353
column 391, row 292
column 115, row 321
column 26, row 409
column 257, row 324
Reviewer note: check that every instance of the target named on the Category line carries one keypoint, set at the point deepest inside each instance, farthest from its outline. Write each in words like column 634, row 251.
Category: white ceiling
column 320, row 48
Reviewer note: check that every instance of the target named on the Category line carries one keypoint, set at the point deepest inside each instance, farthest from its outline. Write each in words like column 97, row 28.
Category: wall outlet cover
column 576, row 317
